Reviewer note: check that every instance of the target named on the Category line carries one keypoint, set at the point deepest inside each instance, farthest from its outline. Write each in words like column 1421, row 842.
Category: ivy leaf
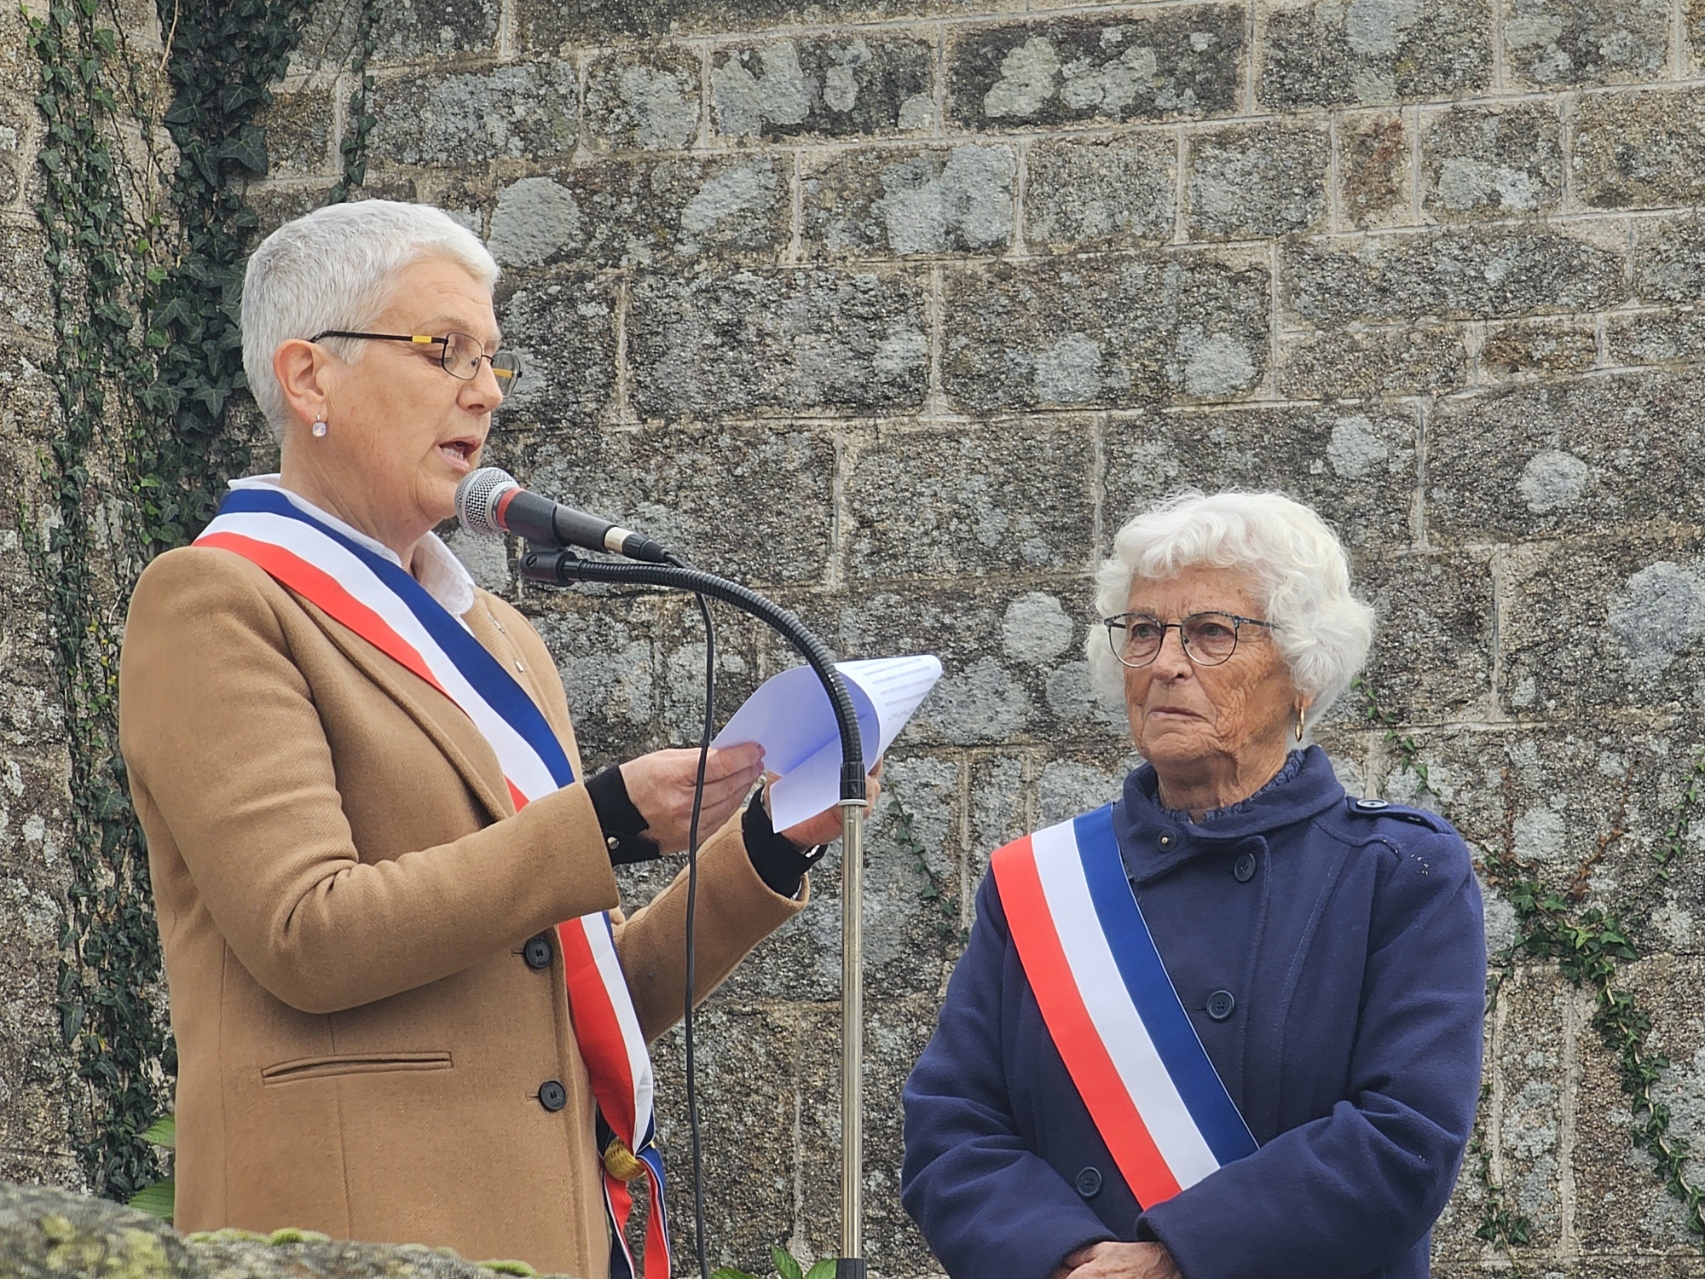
column 248, row 149
column 163, row 1132
column 824, row 1269
column 786, row 1266
column 729, row 1272
column 158, row 1200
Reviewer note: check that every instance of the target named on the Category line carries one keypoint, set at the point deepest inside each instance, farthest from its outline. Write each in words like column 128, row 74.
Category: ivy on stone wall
column 1589, row 947
column 146, row 285
column 110, row 949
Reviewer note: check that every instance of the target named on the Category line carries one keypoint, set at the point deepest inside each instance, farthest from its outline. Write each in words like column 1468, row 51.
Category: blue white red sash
column 1111, row 1009
column 383, row 604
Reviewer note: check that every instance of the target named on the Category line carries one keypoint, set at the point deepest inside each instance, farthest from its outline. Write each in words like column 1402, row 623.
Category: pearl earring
column 319, row 429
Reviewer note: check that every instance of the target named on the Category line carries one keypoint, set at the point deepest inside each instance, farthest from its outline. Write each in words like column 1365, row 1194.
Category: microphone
column 491, row 503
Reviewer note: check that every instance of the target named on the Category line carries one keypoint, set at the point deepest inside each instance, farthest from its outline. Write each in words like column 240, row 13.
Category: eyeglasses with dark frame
column 460, row 355
column 1209, row 638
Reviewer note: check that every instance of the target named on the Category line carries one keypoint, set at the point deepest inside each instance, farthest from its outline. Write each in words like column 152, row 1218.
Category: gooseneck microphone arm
column 563, row 567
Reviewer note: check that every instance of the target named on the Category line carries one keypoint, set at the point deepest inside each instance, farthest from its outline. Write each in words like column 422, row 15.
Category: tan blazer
column 344, row 888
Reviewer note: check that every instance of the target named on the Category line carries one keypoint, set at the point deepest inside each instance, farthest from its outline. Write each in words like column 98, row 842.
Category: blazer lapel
column 439, row 718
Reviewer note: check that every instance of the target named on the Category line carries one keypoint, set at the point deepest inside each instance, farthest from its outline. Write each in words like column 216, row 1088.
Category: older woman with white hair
column 1229, row 1026
column 407, row 1007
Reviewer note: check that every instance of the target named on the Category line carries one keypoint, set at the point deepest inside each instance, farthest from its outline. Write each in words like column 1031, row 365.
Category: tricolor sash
column 1111, row 1009
column 383, row 604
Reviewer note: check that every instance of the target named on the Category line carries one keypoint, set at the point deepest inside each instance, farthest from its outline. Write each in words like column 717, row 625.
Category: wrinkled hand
column 661, row 787
column 1119, row 1261
column 825, row 827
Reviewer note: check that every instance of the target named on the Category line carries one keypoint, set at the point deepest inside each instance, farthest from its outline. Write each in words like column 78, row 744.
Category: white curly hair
column 335, row 268
column 1324, row 631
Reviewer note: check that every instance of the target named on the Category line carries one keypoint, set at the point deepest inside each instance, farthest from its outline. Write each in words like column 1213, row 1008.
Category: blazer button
column 552, row 1095
column 1243, row 869
column 1220, row 1004
column 1089, row 1183
column 537, row 952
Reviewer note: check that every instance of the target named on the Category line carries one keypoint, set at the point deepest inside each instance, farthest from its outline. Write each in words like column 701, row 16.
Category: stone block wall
column 896, row 309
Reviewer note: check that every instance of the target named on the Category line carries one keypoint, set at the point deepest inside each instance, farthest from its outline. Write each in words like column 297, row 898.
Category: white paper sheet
column 790, row 716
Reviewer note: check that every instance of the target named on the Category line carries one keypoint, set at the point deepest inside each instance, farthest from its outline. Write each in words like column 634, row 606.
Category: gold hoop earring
column 1302, row 716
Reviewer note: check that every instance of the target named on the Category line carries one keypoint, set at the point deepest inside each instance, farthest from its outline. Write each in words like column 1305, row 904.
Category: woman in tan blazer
column 368, row 996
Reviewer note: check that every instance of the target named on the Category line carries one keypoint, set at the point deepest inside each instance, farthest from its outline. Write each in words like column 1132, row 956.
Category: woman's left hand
column 1121, row 1261
column 826, row 825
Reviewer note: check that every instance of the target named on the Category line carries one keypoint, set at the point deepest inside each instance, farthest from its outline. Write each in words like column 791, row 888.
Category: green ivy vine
column 1589, row 947
column 145, row 277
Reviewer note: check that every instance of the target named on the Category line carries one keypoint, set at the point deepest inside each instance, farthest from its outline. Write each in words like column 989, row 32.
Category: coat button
column 552, row 1095
column 1243, row 869
column 1089, row 1182
column 537, row 952
column 1220, row 1004
column 1371, row 805
column 1166, row 841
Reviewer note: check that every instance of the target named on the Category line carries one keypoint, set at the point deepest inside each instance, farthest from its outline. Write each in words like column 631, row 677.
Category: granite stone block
column 1433, row 640
column 1669, row 259
column 1257, row 181
column 1458, row 273
column 1590, row 626
column 1537, row 348
column 1568, row 42
column 940, row 200
column 752, row 503
column 1352, row 363
column 1327, row 53
column 747, row 1067
column 563, row 324
column 1353, row 464
column 1623, row 1207
column 622, row 212
column 1147, row 66
column 326, row 39
column 1101, row 193
column 1639, row 149
column 777, row 342
column 608, row 652
column 985, row 697
column 836, row 87
column 298, row 133
column 1656, row 337
column 944, row 502
column 25, row 300
column 545, row 24
column 642, row 100
column 1376, row 170
column 1602, row 456
column 1537, row 1031
column 417, row 29
column 1491, row 162
column 1580, row 807
column 1120, row 332
column 525, row 110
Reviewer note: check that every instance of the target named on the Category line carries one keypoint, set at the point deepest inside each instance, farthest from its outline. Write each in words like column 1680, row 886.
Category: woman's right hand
column 661, row 787
column 1118, row 1261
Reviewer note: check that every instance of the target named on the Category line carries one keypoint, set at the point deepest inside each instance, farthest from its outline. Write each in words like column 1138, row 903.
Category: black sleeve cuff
column 620, row 821
column 779, row 862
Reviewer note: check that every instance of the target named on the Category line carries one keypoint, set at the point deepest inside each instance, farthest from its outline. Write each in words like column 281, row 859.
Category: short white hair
column 335, row 268
column 1323, row 631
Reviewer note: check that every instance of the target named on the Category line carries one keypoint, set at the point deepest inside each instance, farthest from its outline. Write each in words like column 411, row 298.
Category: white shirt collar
column 440, row 574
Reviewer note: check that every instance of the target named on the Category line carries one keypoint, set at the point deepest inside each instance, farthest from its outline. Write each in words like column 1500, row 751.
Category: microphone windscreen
column 476, row 499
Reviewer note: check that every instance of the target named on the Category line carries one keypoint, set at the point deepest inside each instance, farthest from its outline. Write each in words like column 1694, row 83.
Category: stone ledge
column 45, row 1232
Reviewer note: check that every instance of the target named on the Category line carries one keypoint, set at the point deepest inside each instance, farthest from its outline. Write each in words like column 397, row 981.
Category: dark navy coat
column 1347, row 934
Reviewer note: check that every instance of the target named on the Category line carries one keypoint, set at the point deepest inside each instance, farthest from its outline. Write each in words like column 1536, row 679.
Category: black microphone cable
column 692, row 918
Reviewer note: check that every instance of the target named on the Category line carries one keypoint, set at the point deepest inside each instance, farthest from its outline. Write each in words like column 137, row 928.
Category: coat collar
column 1153, row 842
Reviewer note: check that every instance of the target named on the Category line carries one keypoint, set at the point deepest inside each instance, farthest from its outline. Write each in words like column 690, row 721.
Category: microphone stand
column 560, row 568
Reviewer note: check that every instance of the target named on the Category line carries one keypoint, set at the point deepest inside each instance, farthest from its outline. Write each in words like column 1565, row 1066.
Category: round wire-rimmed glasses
column 1209, row 638
column 459, row 354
